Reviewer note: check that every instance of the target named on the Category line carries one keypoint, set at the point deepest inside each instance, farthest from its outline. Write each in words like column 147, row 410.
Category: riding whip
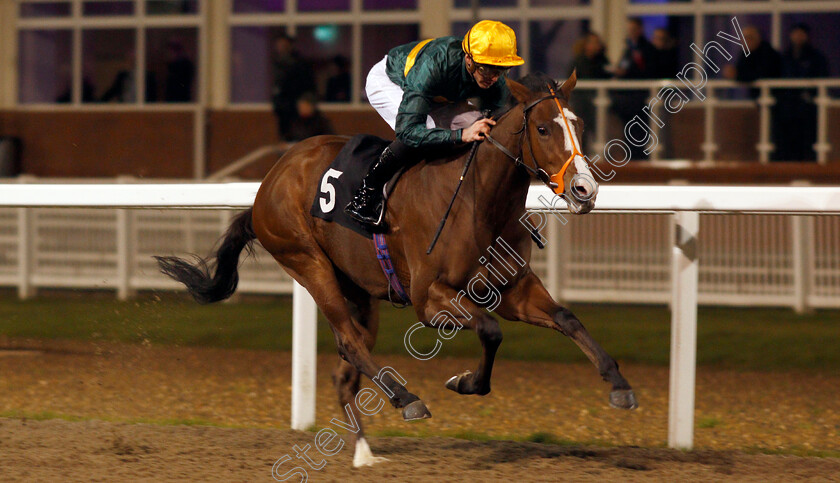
column 457, row 188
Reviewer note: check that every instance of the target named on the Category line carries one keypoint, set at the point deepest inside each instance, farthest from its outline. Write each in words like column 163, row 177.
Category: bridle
column 555, row 181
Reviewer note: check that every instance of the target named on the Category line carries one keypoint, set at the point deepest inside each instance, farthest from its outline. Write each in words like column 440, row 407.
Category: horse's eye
column 542, row 130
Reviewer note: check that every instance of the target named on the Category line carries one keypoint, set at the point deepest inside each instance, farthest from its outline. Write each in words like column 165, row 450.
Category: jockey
column 413, row 79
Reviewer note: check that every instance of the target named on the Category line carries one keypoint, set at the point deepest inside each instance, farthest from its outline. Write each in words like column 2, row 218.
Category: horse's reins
column 473, row 150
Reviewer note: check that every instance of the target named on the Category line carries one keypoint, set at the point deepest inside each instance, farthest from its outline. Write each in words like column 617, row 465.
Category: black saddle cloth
column 343, row 177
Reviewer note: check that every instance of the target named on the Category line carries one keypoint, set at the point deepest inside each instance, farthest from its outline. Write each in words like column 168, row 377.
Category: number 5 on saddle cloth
column 343, row 176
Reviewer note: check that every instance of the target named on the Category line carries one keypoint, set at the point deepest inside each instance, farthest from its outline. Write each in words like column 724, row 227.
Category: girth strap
column 384, row 257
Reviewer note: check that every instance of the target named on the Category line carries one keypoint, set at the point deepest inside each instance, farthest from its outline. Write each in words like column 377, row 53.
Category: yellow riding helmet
column 494, row 43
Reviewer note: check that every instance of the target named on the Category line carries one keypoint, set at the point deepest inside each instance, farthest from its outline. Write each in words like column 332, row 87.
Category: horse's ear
column 567, row 86
column 519, row 91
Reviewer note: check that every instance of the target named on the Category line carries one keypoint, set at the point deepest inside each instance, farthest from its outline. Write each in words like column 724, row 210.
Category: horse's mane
column 536, row 82
column 539, row 82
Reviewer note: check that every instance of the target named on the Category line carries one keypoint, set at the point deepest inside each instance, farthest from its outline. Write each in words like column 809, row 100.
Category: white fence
column 745, row 259
column 683, row 202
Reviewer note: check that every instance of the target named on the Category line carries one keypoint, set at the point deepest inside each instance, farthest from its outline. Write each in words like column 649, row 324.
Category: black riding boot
column 368, row 202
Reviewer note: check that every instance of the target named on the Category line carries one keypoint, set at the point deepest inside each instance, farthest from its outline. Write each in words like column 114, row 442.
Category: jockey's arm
column 411, row 123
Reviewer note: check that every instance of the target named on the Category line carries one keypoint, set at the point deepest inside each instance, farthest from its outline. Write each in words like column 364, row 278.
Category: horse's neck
column 499, row 187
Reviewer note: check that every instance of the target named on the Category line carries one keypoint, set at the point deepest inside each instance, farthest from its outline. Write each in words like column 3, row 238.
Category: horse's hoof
column 453, row 384
column 456, row 383
column 623, row 399
column 416, row 410
column 364, row 456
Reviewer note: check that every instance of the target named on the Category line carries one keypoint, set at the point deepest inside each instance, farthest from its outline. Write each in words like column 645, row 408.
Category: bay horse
column 339, row 268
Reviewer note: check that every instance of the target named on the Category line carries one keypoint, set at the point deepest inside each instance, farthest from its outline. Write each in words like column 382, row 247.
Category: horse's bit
column 555, row 181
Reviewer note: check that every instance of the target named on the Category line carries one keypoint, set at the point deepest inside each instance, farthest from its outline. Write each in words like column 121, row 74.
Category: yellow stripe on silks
column 412, row 56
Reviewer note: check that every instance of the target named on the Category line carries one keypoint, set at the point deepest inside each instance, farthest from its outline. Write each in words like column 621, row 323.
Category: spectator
column 124, row 86
column 795, row 114
column 180, row 73
column 65, row 95
column 87, row 92
column 663, row 61
column 338, row 85
column 634, row 65
column 664, row 65
column 292, row 78
column 762, row 63
column 637, row 54
column 309, row 120
column 590, row 63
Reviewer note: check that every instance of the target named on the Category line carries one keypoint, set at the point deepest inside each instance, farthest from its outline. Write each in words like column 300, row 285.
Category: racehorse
column 339, row 268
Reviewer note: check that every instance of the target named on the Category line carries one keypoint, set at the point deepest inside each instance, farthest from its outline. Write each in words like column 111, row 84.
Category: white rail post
column 803, row 247
column 602, row 103
column 683, row 330
column 304, row 357
column 709, row 146
column 125, row 249
column 822, row 146
column 553, row 258
column 654, row 126
column 765, row 146
column 24, row 253
column 25, row 247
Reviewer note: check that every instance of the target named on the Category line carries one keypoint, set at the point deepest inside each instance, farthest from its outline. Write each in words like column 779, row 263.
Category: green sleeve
column 411, row 123
column 416, row 104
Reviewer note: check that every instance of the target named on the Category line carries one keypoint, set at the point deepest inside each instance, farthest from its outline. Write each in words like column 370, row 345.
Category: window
column 336, row 40
column 551, row 45
column 106, row 35
column 323, row 5
column 379, row 39
column 108, row 65
column 485, row 3
column 171, row 60
column 259, row 6
column 250, row 67
column 545, row 35
column 104, row 9
column 44, row 10
column 45, row 71
column 389, row 4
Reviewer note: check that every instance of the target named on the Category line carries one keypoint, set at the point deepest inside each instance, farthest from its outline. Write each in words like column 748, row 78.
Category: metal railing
column 711, row 103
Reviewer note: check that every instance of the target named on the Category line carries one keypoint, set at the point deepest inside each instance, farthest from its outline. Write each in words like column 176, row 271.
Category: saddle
column 343, row 177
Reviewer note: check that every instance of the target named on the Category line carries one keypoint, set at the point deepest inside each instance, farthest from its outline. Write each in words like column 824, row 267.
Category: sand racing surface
column 82, row 411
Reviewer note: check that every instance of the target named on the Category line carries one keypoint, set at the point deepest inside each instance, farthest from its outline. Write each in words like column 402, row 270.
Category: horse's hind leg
column 530, row 302
column 315, row 273
column 443, row 302
column 346, row 379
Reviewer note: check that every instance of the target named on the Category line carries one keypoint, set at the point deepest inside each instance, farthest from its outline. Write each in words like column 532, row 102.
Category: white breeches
column 385, row 97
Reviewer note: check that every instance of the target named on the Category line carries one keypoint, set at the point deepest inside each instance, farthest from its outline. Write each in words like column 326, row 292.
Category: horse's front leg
column 530, row 302
column 446, row 309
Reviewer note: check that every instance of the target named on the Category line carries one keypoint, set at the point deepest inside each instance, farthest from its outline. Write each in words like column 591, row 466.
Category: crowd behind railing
column 794, row 131
column 793, row 113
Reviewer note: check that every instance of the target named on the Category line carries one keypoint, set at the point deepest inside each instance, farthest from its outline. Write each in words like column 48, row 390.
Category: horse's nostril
column 581, row 190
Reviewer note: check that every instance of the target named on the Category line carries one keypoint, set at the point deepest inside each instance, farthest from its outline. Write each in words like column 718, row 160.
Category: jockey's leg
column 383, row 94
column 367, row 204
column 385, row 97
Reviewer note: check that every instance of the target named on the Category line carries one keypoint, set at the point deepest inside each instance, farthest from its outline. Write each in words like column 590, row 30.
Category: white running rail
column 685, row 203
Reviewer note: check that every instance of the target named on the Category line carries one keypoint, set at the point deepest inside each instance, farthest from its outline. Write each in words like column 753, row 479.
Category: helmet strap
column 474, row 66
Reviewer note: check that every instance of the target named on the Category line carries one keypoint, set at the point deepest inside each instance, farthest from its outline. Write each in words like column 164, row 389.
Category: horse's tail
column 206, row 287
